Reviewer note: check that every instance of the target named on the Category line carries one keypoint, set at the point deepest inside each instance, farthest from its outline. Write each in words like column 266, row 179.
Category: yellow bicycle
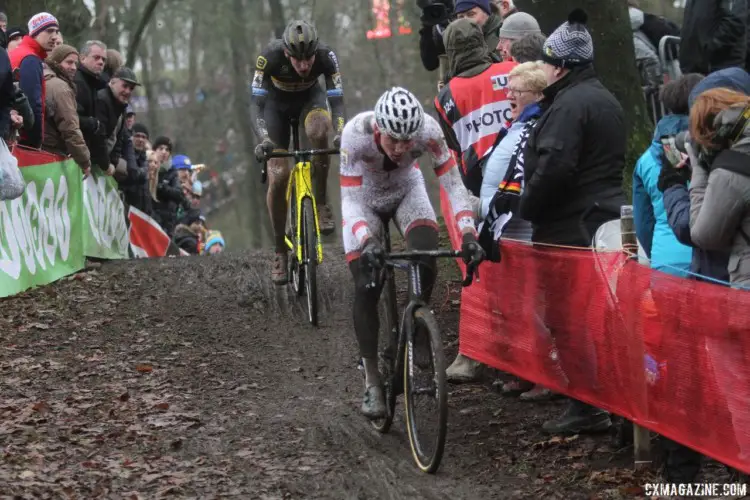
column 302, row 228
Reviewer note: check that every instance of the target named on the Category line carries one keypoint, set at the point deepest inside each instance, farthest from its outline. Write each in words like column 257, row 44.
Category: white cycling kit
column 374, row 188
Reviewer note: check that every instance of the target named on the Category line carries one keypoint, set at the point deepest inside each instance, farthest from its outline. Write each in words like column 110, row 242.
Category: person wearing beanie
column 515, row 27
column 140, row 136
column 27, row 58
column 574, row 159
column 62, row 132
column 14, row 36
column 163, row 147
column 214, row 243
column 431, row 47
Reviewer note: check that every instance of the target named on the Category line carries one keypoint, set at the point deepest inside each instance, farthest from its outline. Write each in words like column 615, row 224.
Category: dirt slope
column 195, row 378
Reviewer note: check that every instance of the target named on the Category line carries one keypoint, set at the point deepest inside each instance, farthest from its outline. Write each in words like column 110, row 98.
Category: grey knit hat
column 570, row 45
column 518, row 25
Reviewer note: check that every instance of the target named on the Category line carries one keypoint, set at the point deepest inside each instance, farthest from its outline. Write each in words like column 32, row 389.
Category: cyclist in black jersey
column 285, row 86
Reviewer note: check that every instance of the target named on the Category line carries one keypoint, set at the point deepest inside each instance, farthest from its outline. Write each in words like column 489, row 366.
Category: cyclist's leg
column 277, row 123
column 317, row 121
column 416, row 220
column 366, row 321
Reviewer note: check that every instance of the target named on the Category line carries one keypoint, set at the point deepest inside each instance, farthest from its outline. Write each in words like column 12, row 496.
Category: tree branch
column 135, row 40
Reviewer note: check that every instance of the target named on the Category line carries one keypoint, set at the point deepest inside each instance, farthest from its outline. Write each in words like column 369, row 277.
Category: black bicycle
column 410, row 355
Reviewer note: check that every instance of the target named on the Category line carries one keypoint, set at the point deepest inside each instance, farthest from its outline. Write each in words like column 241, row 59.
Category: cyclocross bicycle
column 410, row 355
column 303, row 231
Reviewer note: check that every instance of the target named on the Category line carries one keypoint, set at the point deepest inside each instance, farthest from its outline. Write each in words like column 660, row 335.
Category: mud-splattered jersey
column 368, row 186
column 276, row 79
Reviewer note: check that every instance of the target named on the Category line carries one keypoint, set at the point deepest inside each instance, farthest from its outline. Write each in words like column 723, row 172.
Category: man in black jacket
column 88, row 83
column 714, row 35
column 574, row 158
column 112, row 104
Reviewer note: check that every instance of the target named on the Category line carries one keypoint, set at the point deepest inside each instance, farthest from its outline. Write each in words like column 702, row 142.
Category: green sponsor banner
column 40, row 232
column 106, row 232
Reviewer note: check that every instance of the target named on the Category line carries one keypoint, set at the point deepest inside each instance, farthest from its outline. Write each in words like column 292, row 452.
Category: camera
column 436, row 12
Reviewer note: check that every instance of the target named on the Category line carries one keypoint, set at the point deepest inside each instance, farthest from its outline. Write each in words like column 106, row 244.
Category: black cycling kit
column 279, row 93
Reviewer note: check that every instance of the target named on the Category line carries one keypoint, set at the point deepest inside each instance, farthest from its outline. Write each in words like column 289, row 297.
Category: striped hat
column 41, row 22
column 570, row 45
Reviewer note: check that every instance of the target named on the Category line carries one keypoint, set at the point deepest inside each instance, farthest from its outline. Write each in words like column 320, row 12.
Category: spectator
column 503, row 180
column 710, row 263
column 114, row 62
column 720, row 187
column 196, row 194
column 140, row 143
column 190, row 233
column 574, row 158
column 655, row 235
column 3, row 21
column 528, row 48
column 479, row 88
column 506, row 7
column 485, row 14
column 88, row 84
column 214, row 243
column 14, row 37
column 515, row 27
column 62, row 133
column 682, row 464
column 714, row 35
column 646, row 54
column 163, row 147
column 153, row 175
column 28, row 58
column 170, row 193
column 7, row 95
column 129, row 118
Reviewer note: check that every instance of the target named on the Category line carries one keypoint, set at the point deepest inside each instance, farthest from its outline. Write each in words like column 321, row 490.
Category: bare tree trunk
column 259, row 223
column 135, row 39
column 614, row 59
column 277, row 17
column 151, row 94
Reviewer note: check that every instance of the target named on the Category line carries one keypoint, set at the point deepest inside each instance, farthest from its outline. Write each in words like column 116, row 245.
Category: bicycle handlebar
column 301, row 152
column 291, row 154
column 472, row 269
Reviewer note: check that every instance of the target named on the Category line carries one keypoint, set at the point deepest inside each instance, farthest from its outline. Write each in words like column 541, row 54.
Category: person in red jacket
column 474, row 105
column 27, row 63
column 473, row 109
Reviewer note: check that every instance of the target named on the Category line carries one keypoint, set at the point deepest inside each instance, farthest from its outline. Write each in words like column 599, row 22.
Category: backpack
column 656, row 27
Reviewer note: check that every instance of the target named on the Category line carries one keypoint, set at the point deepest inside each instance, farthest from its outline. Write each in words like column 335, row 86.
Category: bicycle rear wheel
column 424, row 381
column 310, row 259
column 387, row 338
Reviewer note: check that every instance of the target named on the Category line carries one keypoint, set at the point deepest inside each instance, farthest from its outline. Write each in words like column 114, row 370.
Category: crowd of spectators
column 76, row 104
column 548, row 142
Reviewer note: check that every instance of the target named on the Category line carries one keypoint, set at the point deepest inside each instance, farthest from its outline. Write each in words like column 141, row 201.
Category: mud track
column 196, row 378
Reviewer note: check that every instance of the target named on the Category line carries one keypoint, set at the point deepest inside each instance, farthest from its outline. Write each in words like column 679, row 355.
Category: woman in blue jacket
column 654, row 233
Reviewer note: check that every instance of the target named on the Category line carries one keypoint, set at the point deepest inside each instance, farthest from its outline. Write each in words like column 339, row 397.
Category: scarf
column 505, row 202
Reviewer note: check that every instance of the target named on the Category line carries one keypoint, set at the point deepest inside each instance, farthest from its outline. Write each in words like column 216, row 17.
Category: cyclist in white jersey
column 380, row 181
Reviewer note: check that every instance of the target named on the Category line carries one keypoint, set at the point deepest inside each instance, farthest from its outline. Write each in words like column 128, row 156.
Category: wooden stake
column 641, row 435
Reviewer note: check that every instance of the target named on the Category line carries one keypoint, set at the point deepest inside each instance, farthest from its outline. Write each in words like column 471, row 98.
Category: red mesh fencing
column 668, row 353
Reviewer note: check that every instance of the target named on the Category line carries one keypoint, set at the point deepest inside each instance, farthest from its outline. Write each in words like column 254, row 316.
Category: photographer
column 437, row 14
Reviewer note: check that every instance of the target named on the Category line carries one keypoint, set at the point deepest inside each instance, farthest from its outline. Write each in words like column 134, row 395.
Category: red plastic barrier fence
column 669, row 354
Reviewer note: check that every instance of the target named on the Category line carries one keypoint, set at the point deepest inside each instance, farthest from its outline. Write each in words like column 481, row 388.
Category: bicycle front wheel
column 425, row 394
column 310, row 259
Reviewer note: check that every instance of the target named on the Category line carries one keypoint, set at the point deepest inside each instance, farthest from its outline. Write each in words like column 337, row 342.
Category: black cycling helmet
column 300, row 39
